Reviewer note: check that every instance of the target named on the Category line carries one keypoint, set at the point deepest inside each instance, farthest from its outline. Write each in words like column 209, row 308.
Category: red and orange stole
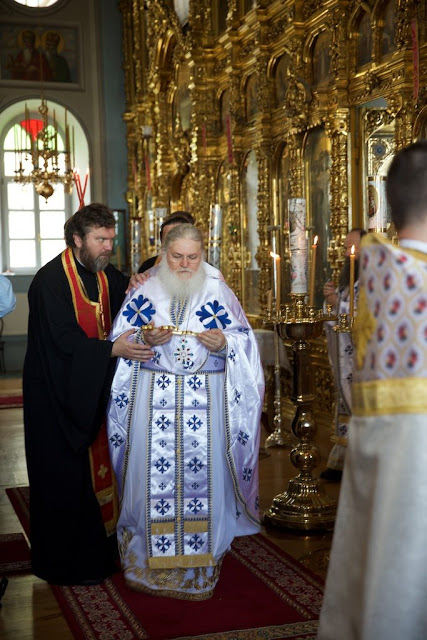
column 95, row 320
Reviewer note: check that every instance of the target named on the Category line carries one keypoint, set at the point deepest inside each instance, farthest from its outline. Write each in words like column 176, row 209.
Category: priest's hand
column 137, row 280
column 156, row 337
column 329, row 293
column 213, row 339
column 126, row 348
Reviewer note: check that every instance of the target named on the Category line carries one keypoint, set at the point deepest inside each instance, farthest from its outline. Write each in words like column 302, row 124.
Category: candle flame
column 353, row 249
column 315, row 240
column 274, row 255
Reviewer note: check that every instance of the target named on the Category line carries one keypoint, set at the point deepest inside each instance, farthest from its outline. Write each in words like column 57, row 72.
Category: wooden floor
column 30, row 611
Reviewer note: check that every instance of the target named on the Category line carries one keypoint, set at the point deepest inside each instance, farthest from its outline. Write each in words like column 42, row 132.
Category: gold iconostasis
column 236, row 108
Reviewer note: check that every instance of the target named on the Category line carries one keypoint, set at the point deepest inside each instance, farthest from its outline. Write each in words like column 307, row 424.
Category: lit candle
column 352, row 259
column 276, row 267
column 313, row 271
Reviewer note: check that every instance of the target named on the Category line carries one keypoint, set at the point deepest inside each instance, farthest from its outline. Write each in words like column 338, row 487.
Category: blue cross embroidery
column 243, row 330
column 163, row 402
column 156, row 357
column 163, row 544
column 247, row 474
column 139, row 311
column 213, row 315
column 162, row 465
column 163, row 422
column 195, row 505
column 121, row 400
column 163, row 381
column 194, row 423
column 116, row 440
column 195, row 403
column 195, row 444
column 162, row 486
column 195, row 465
column 243, row 437
column 196, row 542
column 195, row 486
column 162, row 506
column 237, row 396
column 232, row 355
column 194, row 382
column 163, row 443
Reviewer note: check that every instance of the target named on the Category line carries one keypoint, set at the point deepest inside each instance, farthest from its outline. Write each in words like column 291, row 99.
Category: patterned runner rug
column 262, row 594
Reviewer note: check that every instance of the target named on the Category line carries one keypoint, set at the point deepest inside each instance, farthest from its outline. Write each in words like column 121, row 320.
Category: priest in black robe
column 68, row 370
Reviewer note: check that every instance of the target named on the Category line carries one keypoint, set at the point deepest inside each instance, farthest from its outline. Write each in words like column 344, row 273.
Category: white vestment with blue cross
column 184, row 438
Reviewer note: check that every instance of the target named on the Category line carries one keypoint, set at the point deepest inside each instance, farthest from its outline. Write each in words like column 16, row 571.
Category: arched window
column 37, row 3
column 33, row 227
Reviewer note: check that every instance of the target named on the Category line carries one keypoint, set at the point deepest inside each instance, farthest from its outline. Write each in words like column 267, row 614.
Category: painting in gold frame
column 250, row 237
column 281, row 77
column 389, row 28
column 182, row 99
column 251, row 97
column 317, row 163
column 321, row 58
column 364, row 41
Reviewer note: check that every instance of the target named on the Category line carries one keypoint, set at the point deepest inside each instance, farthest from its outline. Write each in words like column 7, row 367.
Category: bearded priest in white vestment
column 376, row 586
column 184, row 428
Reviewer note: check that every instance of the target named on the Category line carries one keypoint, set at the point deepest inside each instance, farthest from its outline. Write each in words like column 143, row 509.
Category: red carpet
column 14, row 554
column 11, row 402
column 262, row 593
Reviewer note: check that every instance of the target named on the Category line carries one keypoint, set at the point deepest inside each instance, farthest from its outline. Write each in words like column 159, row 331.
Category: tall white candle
column 298, row 244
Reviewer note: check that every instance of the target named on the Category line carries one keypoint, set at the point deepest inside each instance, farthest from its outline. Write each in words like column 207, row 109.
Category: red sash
column 95, row 320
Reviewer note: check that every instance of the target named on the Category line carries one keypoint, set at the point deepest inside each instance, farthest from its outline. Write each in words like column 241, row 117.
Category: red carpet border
column 262, row 594
column 11, row 402
column 14, row 554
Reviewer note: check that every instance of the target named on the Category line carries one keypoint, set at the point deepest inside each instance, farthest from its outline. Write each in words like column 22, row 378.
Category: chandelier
column 39, row 160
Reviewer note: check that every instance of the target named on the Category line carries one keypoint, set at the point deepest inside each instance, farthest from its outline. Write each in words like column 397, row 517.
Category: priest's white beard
column 178, row 287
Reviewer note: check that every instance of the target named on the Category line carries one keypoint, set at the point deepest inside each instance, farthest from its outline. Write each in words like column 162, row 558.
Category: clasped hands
column 212, row 339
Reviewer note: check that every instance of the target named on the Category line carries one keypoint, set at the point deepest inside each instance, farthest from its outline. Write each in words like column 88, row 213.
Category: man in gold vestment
column 376, row 586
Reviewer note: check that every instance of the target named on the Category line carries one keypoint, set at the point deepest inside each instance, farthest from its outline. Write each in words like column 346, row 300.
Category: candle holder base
column 279, row 438
column 304, row 506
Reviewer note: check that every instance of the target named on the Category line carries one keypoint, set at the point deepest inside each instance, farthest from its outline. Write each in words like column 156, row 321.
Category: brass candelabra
column 304, row 505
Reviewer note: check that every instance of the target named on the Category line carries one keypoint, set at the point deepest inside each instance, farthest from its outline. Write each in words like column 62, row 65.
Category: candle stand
column 304, row 505
column 280, row 437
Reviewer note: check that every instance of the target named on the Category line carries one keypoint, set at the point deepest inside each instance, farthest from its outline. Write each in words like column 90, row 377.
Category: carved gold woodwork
column 352, row 104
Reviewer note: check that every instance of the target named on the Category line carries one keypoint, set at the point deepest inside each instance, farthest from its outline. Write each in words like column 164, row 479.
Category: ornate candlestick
column 304, row 505
column 280, row 437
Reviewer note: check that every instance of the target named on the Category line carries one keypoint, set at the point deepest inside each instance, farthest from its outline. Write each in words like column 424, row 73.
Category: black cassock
column 66, row 382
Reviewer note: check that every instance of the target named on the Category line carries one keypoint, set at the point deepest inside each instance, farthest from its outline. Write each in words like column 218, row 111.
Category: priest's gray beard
column 178, row 287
